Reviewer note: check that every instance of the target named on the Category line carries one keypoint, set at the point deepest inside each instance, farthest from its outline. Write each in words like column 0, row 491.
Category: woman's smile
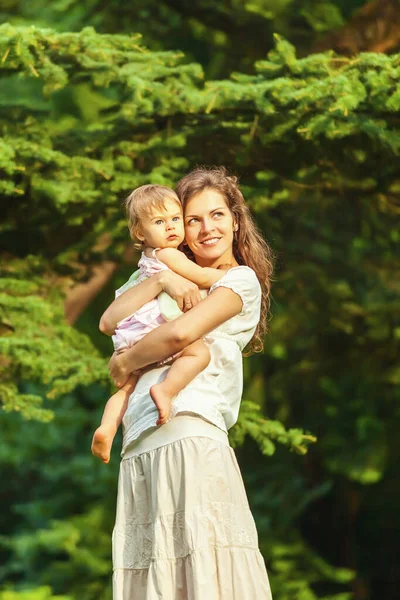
column 210, row 241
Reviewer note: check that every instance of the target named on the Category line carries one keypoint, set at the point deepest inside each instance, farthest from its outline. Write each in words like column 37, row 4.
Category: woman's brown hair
column 249, row 247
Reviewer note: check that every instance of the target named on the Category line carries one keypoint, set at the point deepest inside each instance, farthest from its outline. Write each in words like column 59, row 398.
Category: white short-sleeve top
column 215, row 393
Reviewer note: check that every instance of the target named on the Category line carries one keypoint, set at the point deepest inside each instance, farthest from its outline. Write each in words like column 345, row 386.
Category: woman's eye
column 218, row 214
column 191, row 221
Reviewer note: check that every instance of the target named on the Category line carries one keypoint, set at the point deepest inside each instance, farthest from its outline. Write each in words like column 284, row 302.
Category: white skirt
column 184, row 530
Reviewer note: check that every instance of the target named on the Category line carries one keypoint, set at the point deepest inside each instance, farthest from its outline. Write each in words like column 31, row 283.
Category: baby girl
column 155, row 219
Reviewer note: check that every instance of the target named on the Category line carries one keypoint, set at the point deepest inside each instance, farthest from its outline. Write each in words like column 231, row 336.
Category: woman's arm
column 178, row 262
column 168, row 339
column 181, row 290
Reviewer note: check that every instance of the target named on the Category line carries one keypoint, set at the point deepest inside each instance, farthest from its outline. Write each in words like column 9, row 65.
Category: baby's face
column 163, row 228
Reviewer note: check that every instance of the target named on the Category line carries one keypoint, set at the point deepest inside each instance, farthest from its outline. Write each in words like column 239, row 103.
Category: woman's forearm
column 172, row 337
column 129, row 302
column 168, row 339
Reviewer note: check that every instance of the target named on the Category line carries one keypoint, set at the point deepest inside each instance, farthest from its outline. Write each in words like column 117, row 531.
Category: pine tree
column 223, row 36
column 87, row 117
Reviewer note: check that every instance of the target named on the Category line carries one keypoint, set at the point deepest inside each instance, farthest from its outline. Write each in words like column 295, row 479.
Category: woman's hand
column 118, row 370
column 184, row 292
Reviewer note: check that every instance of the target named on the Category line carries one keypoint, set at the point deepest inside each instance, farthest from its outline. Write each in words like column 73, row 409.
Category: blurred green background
column 301, row 99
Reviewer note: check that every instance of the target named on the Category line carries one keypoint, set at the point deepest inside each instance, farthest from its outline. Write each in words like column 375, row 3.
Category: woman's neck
column 223, row 260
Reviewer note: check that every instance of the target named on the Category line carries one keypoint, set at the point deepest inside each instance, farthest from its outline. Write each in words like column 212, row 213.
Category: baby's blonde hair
column 142, row 200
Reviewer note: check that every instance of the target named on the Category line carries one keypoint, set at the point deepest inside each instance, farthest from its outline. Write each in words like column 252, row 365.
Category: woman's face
column 209, row 228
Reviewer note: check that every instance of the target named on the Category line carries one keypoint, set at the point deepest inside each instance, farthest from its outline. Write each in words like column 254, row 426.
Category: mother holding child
column 184, row 530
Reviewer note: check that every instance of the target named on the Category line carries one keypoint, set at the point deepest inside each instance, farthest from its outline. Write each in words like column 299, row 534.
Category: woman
column 183, row 528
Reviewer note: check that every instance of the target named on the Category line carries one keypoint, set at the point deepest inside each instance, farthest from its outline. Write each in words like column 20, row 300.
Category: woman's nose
column 206, row 226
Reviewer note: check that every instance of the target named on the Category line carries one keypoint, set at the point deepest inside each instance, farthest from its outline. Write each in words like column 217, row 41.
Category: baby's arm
column 179, row 288
column 176, row 260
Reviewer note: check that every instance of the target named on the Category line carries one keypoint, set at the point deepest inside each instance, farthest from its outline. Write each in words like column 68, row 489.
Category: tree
column 223, row 36
column 85, row 118
column 375, row 27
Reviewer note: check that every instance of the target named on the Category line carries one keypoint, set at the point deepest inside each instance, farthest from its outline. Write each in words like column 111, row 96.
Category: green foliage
column 77, row 554
column 263, row 431
column 85, row 118
column 295, row 568
column 36, row 345
column 222, row 36
column 42, row 593
column 56, row 534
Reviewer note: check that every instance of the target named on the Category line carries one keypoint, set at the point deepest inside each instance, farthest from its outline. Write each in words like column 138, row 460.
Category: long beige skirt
column 183, row 529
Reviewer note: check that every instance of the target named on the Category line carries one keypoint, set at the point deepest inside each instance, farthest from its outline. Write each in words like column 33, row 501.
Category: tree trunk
column 80, row 295
column 373, row 28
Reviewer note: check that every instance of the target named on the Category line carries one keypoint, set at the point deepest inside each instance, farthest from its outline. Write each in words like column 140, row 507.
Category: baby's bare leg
column 183, row 370
column 112, row 416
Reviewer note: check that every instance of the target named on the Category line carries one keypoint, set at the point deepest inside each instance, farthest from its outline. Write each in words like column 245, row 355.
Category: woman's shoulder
column 243, row 281
column 242, row 275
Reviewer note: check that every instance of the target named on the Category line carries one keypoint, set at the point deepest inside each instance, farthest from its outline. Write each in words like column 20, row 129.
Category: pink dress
column 133, row 328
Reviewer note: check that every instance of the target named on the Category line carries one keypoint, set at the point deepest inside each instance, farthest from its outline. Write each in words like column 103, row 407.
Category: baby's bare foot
column 102, row 442
column 163, row 402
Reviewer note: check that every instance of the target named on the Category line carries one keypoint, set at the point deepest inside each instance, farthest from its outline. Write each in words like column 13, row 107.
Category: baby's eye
column 159, row 222
column 176, row 219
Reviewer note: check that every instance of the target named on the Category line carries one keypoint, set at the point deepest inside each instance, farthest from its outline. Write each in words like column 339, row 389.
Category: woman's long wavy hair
column 249, row 247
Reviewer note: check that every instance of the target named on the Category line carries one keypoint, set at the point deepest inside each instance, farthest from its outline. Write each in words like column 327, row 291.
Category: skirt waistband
column 182, row 426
